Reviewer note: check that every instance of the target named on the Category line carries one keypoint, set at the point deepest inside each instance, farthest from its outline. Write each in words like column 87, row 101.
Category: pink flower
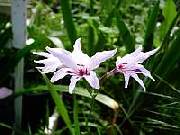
column 5, row 92
column 130, row 65
column 76, row 63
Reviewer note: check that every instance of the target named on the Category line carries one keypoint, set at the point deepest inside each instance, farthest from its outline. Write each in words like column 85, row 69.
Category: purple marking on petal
column 138, row 70
column 5, row 92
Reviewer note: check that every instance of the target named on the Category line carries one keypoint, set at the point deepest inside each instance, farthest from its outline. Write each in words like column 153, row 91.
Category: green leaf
column 127, row 38
column 68, row 20
column 106, row 5
column 150, row 27
column 167, row 37
column 109, row 19
column 104, row 99
column 92, row 36
column 170, row 58
column 169, row 13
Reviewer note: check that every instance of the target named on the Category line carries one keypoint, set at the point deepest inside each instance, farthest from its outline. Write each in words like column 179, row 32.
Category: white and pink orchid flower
column 76, row 63
column 130, row 65
column 51, row 63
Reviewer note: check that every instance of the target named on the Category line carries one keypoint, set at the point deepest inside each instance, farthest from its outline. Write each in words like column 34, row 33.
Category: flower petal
column 146, row 72
column 77, row 45
column 129, row 58
column 148, row 54
column 50, row 64
column 135, row 76
column 64, row 56
column 92, row 79
column 78, row 56
column 73, row 82
column 126, row 77
column 100, row 57
column 43, row 54
column 136, row 57
column 5, row 92
column 59, row 74
column 141, row 57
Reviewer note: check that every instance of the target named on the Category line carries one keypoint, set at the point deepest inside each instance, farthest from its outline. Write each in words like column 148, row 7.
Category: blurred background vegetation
column 102, row 25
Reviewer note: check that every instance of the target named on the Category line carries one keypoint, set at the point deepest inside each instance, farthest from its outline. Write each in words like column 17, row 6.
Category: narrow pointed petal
column 42, row 54
column 46, row 69
column 126, row 77
column 136, row 52
column 74, row 80
column 136, row 57
column 64, row 56
column 146, row 73
column 135, row 76
column 100, row 57
column 93, row 80
column 129, row 58
column 78, row 56
column 59, row 74
column 141, row 57
column 148, row 54
column 50, row 64
column 42, row 61
column 77, row 45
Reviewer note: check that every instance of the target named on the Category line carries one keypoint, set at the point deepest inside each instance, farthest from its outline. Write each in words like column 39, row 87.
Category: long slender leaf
column 170, row 58
column 167, row 37
column 68, row 20
column 104, row 99
column 112, row 13
column 150, row 27
column 128, row 39
column 169, row 13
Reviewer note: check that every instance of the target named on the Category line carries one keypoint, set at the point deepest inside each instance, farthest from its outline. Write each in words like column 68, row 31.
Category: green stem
column 107, row 75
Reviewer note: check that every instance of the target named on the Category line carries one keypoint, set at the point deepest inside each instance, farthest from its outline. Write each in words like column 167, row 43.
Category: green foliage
column 169, row 13
column 68, row 21
column 151, row 25
column 127, row 38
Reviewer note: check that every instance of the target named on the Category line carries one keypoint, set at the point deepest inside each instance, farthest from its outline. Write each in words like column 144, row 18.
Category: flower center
column 82, row 70
column 121, row 66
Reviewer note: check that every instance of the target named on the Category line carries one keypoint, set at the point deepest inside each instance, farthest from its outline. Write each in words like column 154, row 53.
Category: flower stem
column 107, row 75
